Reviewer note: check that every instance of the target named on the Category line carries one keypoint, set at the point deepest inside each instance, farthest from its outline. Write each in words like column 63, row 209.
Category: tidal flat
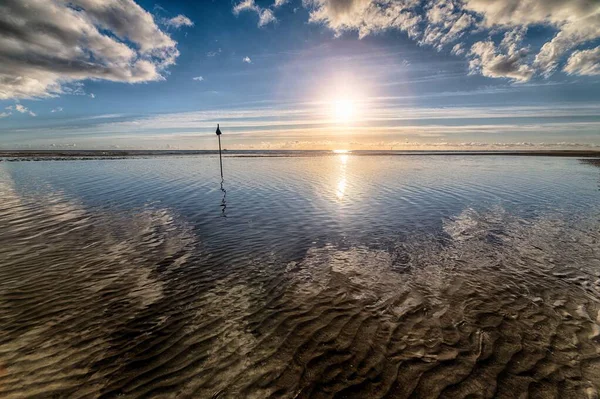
column 330, row 275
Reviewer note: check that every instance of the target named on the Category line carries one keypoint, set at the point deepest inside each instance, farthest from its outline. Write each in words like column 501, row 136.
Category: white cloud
column 113, row 40
column 578, row 21
column 5, row 114
column 57, row 109
column 279, row 3
column 92, row 95
column 505, row 61
column 458, row 49
column 179, row 21
column 303, row 121
column 446, row 24
column 526, row 12
column 245, row 5
column 247, row 60
column 459, row 26
column 214, row 53
column 265, row 15
column 365, row 16
column 19, row 108
column 439, row 23
column 198, row 78
column 586, row 62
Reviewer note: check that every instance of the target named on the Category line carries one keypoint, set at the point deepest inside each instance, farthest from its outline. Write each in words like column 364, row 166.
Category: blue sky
column 355, row 74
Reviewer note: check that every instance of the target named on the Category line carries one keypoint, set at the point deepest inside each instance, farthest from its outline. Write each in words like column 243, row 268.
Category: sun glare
column 343, row 110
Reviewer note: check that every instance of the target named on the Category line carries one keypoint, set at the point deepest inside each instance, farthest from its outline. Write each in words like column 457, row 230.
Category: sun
column 343, row 110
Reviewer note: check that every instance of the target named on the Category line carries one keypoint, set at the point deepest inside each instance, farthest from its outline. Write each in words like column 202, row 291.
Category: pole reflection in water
column 223, row 200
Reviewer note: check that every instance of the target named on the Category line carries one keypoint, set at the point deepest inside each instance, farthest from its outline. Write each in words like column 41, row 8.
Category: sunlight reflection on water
column 341, row 185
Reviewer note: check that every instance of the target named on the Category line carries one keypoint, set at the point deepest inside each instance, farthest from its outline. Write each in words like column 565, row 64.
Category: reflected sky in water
column 327, row 195
column 288, row 203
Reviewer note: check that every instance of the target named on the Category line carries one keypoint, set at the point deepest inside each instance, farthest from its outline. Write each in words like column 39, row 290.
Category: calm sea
column 336, row 275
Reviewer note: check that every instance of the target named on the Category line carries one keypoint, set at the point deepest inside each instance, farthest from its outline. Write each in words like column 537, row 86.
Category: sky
column 300, row 74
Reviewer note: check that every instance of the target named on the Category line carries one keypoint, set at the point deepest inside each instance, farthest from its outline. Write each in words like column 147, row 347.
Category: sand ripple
column 107, row 305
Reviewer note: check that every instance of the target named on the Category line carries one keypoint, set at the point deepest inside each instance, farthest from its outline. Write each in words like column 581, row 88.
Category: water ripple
column 123, row 280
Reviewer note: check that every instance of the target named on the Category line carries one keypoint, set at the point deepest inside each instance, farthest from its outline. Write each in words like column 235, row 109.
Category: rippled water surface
column 329, row 276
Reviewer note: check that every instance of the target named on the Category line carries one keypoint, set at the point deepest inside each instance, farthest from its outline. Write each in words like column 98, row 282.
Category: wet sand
column 101, row 303
column 53, row 155
column 594, row 161
column 454, row 319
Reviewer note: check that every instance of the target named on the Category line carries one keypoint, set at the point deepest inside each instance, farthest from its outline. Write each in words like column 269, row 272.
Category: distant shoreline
column 59, row 155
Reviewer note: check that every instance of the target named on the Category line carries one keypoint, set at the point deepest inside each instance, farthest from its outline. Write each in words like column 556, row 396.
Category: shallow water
column 330, row 276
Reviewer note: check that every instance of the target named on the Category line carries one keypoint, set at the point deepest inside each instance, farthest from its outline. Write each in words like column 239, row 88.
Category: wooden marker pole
column 220, row 156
